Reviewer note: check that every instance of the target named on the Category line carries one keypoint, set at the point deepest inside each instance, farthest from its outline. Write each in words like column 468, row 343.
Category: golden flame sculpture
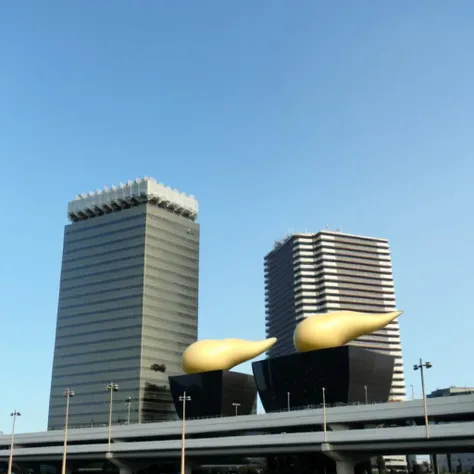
column 207, row 355
column 322, row 331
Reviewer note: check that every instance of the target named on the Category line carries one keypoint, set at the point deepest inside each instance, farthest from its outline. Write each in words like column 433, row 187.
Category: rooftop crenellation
column 131, row 194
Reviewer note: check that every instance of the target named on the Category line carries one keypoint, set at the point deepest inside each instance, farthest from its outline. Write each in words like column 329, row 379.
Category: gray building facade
column 128, row 303
column 310, row 273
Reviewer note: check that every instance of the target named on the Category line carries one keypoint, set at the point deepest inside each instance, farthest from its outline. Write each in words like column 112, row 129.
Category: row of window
column 343, row 271
column 137, row 296
column 140, row 229
column 359, row 242
column 146, row 360
column 127, row 234
column 74, row 229
column 101, row 273
column 117, row 324
column 326, row 251
column 116, row 341
column 162, row 284
column 118, row 256
column 339, row 263
column 184, row 302
column 130, row 317
column 139, row 345
column 173, row 334
column 341, row 298
column 132, row 309
column 120, row 259
column 98, row 256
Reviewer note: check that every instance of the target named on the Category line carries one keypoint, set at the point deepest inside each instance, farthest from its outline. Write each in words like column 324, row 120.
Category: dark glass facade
column 347, row 374
column 128, row 300
column 214, row 393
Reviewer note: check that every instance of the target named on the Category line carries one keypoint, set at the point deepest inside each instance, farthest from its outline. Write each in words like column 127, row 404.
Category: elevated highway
column 352, row 429
column 455, row 437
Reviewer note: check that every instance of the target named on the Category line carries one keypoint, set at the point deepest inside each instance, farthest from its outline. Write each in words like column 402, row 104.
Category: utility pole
column 184, row 398
column 421, row 366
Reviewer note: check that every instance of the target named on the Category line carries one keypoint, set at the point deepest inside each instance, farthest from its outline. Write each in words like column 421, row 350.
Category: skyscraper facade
column 311, row 273
column 128, row 302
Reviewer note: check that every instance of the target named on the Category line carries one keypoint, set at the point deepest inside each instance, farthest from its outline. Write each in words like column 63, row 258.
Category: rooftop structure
column 451, row 391
column 125, row 196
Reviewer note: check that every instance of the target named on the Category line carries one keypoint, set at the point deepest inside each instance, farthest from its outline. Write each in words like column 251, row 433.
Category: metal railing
column 282, row 410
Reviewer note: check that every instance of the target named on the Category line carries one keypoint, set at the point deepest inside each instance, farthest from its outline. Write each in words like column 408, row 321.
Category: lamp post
column 68, row 393
column 421, row 366
column 10, row 459
column 129, row 408
column 412, row 392
column 288, row 400
column 183, row 398
column 112, row 387
column 236, row 405
column 324, row 415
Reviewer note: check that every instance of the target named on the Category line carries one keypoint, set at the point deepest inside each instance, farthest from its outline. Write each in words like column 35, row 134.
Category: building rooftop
column 451, row 391
column 287, row 237
column 131, row 194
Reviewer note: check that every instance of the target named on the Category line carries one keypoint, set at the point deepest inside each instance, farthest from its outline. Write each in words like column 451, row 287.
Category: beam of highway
column 448, row 437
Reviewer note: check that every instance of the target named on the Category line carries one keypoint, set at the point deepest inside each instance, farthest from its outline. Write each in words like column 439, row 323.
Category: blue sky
column 277, row 116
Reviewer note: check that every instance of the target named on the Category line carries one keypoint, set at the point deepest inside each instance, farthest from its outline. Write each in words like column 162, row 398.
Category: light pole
column 236, row 405
column 10, row 459
column 183, row 399
column 112, row 387
column 68, row 393
column 288, row 400
column 324, row 415
column 421, row 366
column 412, row 392
column 365, row 393
column 129, row 409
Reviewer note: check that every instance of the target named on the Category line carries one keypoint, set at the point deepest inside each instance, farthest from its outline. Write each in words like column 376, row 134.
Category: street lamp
column 421, row 366
column 236, row 405
column 129, row 408
column 183, row 399
column 112, row 387
column 288, row 400
column 68, row 393
column 324, row 415
column 365, row 393
column 10, row 459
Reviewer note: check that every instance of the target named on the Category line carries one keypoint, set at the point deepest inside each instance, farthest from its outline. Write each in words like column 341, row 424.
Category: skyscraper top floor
column 131, row 194
column 326, row 234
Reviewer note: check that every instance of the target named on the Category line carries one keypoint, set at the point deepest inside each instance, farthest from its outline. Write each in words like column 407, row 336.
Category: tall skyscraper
column 128, row 302
column 329, row 271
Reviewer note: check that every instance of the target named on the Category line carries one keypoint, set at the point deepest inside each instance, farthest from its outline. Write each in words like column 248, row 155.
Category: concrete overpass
column 440, row 410
column 369, row 442
column 355, row 432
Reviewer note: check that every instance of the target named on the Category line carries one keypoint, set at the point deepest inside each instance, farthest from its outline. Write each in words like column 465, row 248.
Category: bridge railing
column 292, row 409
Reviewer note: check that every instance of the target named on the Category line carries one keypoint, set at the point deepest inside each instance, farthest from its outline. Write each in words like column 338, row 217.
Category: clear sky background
column 278, row 116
